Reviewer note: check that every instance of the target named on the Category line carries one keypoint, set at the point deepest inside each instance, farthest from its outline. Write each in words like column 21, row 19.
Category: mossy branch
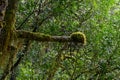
column 74, row 37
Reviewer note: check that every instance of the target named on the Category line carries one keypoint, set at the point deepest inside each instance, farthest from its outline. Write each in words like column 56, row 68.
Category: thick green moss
column 78, row 37
column 42, row 36
column 33, row 36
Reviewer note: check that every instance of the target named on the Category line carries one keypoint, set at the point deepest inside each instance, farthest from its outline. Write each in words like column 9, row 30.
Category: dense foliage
column 97, row 60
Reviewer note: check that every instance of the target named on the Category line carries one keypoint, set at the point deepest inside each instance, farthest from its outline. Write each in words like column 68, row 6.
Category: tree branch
column 74, row 37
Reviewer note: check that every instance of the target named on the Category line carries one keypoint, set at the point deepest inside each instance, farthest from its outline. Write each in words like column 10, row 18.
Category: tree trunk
column 7, row 36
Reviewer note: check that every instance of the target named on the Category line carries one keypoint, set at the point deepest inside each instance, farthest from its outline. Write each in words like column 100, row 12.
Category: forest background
column 97, row 59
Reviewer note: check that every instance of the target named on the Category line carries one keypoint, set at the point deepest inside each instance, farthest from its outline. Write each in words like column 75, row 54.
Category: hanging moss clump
column 78, row 37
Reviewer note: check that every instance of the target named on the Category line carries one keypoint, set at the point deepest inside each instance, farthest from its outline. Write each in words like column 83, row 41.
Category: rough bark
column 3, row 5
column 7, row 36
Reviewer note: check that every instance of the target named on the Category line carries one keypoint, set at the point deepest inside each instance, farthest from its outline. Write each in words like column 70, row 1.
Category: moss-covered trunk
column 7, row 37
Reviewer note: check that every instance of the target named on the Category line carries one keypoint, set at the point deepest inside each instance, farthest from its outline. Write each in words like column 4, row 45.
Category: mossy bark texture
column 41, row 37
column 7, row 37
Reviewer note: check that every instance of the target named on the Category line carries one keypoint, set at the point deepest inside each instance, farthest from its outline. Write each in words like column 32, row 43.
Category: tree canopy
column 59, row 39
